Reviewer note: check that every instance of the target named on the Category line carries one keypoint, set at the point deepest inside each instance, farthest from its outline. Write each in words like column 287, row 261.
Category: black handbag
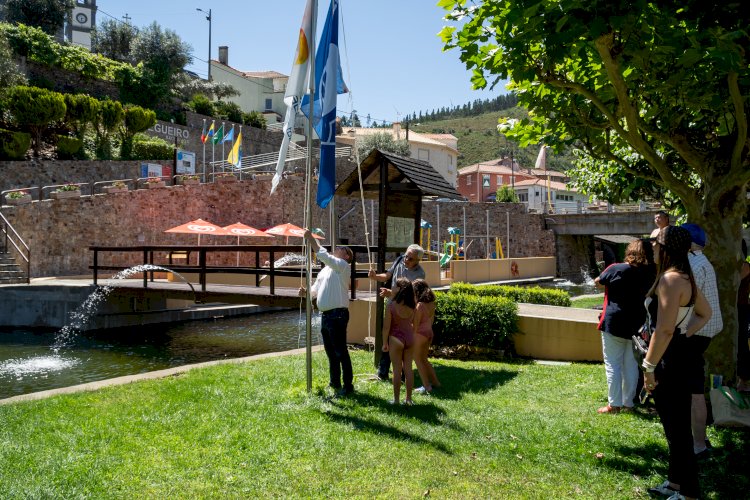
column 640, row 344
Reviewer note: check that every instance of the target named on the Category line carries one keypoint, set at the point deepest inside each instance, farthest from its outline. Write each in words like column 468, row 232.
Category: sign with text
column 155, row 170
column 185, row 162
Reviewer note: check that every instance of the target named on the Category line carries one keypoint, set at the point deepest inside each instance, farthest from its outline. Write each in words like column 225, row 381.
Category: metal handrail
column 26, row 189
column 45, row 190
column 7, row 228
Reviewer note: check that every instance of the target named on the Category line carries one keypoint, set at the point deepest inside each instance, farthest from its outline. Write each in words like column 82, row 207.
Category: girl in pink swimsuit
column 424, row 315
column 398, row 336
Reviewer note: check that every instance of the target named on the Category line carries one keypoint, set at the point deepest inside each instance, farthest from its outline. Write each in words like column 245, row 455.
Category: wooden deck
column 229, row 294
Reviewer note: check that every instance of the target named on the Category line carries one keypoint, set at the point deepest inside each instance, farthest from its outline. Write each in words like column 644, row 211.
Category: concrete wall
column 575, row 257
column 558, row 333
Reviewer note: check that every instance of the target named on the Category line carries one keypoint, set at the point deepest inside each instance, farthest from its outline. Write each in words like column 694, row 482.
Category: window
column 499, row 180
column 423, row 154
column 450, row 160
column 486, row 180
column 523, row 197
column 269, row 104
column 468, row 180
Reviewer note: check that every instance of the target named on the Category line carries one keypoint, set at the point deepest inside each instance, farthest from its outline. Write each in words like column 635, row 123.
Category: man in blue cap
column 705, row 280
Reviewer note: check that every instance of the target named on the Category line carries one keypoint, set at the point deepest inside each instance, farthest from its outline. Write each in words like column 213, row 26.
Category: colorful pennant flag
column 235, row 155
column 230, row 136
column 211, row 131
column 295, row 88
column 203, row 132
column 219, row 135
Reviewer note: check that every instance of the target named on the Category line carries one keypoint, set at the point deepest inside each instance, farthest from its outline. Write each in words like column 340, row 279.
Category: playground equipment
column 499, row 248
column 455, row 243
column 422, row 226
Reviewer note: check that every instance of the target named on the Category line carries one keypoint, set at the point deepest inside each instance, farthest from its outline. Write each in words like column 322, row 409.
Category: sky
column 392, row 58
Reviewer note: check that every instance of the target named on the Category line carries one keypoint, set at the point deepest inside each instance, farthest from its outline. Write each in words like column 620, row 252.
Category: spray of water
column 290, row 258
column 78, row 319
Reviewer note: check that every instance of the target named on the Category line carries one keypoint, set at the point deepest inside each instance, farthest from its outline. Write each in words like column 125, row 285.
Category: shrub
column 34, row 109
column 68, row 148
column 136, row 120
column 13, row 145
column 80, row 110
column 229, row 111
column 255, row 119
column 107, row 120
column 473, row 320
column 151, row 148
column 201, row 105
column 529, row 295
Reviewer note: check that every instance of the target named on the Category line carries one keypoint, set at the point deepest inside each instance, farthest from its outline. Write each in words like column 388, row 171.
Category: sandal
column 609, row 409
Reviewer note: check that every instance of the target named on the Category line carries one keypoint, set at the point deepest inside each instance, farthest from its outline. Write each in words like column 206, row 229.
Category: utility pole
column 208, row 18
column 127, row 18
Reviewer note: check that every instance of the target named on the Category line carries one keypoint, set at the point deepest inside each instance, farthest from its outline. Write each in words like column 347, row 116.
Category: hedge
column 68, row 148
column 529, row 295
column 464, row 319
column 13, row 145
column 151, row 148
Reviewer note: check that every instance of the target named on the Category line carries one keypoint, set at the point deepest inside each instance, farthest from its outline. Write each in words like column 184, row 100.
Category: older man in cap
column 705, row 280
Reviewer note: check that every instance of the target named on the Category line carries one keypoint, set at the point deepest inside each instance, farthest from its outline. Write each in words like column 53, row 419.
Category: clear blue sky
column 392, row 58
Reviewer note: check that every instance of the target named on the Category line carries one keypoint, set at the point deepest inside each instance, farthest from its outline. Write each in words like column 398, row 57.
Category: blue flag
column 328, row 84
column 230, row 136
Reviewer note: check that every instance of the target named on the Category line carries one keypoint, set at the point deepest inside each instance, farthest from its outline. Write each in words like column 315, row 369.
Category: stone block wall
column 69, row 82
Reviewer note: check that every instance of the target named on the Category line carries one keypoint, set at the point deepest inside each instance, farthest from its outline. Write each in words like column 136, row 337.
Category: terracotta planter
column 190, row 182
column 115, row 189
column 18, row 201
column 58, row 195
column 155, row 185
column 226, row 178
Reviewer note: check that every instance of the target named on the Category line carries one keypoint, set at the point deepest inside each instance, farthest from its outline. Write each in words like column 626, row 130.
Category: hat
column 697, row 235
column 675, row 238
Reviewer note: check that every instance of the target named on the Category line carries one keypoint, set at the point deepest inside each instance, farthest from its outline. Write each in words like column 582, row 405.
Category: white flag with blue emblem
column 295, row 88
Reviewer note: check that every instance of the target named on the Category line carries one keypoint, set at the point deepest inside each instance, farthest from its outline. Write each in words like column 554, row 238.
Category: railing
column 579, row 207
column 10, row 235
column 148, row 254
column 258, row 162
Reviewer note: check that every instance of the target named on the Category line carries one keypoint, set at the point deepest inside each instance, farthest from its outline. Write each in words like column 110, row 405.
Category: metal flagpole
column 204, row 153
column 240, row 153
column 223, row 156
column 308, row 205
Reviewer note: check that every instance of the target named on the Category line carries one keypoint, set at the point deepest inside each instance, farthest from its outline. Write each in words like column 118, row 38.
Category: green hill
column 479, row 140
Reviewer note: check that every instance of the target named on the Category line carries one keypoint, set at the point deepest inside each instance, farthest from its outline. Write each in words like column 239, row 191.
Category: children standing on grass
column 398, row 337
column 424, row 315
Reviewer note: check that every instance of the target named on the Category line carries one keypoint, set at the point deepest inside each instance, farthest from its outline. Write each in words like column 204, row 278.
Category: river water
column 28, row 362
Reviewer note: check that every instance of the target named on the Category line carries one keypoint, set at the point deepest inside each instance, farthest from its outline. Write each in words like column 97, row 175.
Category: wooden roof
column 404, row 174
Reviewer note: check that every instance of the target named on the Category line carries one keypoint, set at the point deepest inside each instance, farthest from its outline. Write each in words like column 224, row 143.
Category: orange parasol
column 289, row 230
column 239, row 229
column 199, row 227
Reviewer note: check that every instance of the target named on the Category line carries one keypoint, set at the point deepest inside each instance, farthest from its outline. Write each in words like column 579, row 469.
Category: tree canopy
column 49, row 15
column 114, row 40
column 654, row 93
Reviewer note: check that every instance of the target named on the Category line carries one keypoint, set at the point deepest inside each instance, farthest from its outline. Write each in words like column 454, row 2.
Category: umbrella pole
column 238, row 252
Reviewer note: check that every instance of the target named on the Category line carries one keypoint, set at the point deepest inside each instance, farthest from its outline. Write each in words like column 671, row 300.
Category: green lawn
column 515, row 429
column 587, row 302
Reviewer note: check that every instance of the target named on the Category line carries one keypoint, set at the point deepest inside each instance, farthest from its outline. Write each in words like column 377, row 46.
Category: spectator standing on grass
column 743, row 336
column 398, row 337
column 625, row 285
column 677, row 309
column 406, row 266
column 424, row 316
column 330, row 289
column 705, row 280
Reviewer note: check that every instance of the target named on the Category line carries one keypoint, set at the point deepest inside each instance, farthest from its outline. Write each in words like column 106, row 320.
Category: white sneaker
column 664, row 490
column 421, row 390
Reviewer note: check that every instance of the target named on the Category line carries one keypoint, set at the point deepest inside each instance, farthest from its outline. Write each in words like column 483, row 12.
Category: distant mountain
column 479, row 140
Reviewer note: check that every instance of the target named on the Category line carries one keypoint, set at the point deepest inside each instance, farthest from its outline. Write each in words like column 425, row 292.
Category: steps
column 10, row 272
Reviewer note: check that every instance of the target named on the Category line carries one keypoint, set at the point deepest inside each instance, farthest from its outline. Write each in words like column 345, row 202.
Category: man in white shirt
column 705, row 280
column 330, row 289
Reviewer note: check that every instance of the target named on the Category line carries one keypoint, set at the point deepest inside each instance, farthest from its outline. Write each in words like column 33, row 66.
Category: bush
column 151, row 148
column 34, row 109
column 529, row 295
column 473, row 320
column 107, row 120
column 13, row 145
column 229, row 111
column 136, row 120
column 201, row 105
column 255, row 119
column 80, row 110
column 68, row 148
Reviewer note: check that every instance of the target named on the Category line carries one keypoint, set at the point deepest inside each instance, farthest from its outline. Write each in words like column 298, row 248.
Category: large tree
column 114, row 40
column 656, row 90
column 48, row 15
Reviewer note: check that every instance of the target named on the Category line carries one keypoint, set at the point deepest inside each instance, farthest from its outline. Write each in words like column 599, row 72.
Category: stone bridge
column 574, row 237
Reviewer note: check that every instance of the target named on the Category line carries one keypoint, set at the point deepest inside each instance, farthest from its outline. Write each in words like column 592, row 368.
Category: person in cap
column 677, row 309
column 705, row 280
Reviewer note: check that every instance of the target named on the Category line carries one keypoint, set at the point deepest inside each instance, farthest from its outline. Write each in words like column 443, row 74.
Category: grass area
column 514, row 429
column 587, row 302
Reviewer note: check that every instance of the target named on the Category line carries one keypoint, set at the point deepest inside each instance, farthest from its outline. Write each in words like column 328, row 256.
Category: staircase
column 10, row 272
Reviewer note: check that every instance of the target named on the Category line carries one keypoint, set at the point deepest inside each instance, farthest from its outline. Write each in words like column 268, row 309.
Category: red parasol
column 199, row 227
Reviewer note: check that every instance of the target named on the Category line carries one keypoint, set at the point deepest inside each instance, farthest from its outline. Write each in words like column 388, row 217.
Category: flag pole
column 223, row 156
column 239, row 152
column 204, row 153
column 308, row 199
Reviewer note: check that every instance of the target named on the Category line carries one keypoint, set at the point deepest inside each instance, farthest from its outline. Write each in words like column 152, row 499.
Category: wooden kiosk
column 399, row 184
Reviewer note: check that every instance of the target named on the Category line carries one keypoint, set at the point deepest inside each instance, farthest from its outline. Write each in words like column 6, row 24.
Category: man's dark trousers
column 333, row 330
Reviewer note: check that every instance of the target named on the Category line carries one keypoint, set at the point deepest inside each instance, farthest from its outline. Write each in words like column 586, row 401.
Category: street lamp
column 208, row 18
column 504, row 127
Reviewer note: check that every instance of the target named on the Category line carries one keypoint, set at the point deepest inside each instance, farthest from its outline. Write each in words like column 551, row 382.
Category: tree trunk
column 723, row 225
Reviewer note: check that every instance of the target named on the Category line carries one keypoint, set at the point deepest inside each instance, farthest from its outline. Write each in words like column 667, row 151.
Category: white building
column 534, row 194
column 439, row 150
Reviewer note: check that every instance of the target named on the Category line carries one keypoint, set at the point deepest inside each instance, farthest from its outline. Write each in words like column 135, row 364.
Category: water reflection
column 29, row 364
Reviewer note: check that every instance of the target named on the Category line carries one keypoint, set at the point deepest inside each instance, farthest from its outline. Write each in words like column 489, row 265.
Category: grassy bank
column 513, row 429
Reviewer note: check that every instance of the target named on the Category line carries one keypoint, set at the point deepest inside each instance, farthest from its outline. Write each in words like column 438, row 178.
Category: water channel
column 29, row 363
